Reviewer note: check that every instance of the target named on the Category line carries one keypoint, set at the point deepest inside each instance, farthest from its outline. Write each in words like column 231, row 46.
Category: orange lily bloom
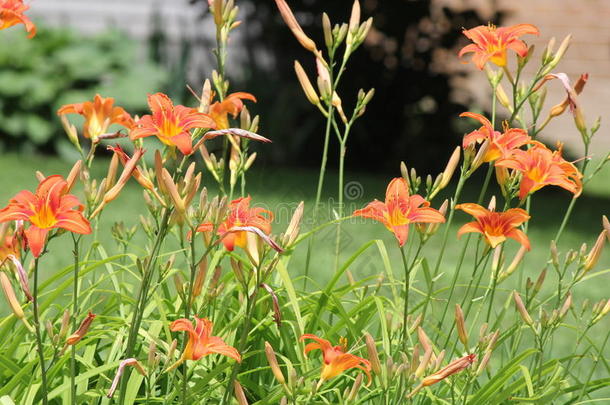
column 541, row 167
column 240, row 215
column 495, row 226
column 500, row 144
column 11, row 13
column 99, row 115
column 336, row 360
column 452, row 368
column 171, row 124
column 400, row 209
column 201, row 342
column 491, row 43
column 51, row 207
column 232, row 104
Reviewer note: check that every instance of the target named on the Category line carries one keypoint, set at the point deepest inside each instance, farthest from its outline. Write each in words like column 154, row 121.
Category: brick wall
column 589, row 23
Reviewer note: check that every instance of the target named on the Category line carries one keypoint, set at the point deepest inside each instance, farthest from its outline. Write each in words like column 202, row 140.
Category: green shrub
column 60, row 67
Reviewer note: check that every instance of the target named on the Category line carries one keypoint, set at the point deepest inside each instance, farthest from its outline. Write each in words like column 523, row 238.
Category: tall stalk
column 39, row 347
column 142, row 297
column 76, row 241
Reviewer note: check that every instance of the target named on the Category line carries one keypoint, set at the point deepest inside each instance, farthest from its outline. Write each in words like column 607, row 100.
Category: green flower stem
column 329, row 120
column 39, row 347
column 75, row 310
column 407, row 268
column 142, row 298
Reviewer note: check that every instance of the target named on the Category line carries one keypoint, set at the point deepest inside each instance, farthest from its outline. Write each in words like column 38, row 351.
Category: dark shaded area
column 411, row 117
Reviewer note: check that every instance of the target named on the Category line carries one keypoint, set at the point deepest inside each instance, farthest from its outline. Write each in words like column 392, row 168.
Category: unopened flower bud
column 461, row 325
column 239, row 393
column 275, row 368
column 294, row 26
column 327, row 29
column 596, row 251
column 452, row 164
column 308, row 89
column 81, row 331
column 522, row 310
column 566, row 306
column 373, row 355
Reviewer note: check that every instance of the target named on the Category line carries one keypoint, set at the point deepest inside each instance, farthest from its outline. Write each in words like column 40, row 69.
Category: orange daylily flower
column 240, row 215
column 99, row 115
column 500, row 144
column 336, row 360
column 400, row 210
column 495, row 226
column 491, row 43
column 11, row 13
column 51, row 207
column 541, row 167
column 232, row 104
column 201, row 342
column 171, row 124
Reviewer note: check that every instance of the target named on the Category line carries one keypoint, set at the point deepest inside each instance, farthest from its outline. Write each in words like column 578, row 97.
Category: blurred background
column 125, row 49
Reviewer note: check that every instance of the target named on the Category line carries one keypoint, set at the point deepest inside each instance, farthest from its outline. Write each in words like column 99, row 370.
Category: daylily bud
column 292, row 231
column 566, row 306
column 199, row 278
column 294, row 26
column 112, row 172
column 73, row 175
column 308, row 89
column 327, row 29
column 522, row 310
column 354, row 391
column 484, row 362
column 540, row 281
column 514, row 264
column 275, row 368
column 548, row 51
column 239, row 393
column 595, row 252
column 404, row 172
column 22, row 276
column 373, row 355
column 179, row 284
column 423, row 363
column 554, row 254
column 152, row 354
column 40, row 176
column 560, row 52
column 81, row 331
column 71, row 131
column 130, row 166
column 452, row 164
column 65, row 324
column 461, row 325
column 424, row 340
column 606, row 225
column 170, row 352
column 172, row 190
column 206, row 96
column 354, row 23
column 502, row 97
column 479, row 157
column 10, row 296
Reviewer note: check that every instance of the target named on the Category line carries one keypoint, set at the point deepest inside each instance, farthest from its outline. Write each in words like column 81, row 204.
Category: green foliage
column 62, row 66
